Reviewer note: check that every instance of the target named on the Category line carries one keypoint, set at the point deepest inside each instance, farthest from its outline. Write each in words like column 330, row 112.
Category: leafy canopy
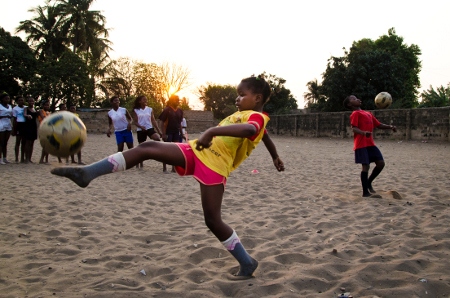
column 435, row 98
column 370, row 67
column 17, row 63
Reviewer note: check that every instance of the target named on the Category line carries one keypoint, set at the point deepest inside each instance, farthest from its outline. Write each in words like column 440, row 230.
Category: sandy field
column 140, row 233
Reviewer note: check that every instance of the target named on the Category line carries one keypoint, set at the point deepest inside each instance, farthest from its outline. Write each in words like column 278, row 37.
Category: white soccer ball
column 383, row 100
column 62, row 134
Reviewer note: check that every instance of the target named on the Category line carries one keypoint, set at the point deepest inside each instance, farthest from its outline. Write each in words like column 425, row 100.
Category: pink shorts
column 198, row 169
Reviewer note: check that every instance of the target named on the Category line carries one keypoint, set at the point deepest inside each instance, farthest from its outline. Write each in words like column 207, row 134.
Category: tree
column 84, row 28
column 17, row 63
column 44, row 32
column 370, row 67
column 313, row 97
column 120, row 78
column 184, row 104
column 435, row 98
column 220, row 99
column 281, row 100
column 174, row 78
column 149, row 82
column 63, row 80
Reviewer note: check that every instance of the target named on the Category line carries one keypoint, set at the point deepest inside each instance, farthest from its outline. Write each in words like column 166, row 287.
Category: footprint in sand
column 395, row 195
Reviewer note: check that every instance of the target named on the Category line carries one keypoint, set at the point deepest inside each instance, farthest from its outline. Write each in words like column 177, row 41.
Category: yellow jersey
column 227, row 153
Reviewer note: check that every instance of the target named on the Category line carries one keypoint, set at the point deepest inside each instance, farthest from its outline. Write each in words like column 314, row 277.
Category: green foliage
column 65, row 80
column 370, row 67
column 313, row 97
column 17, row 63
column 44, row 32
column 184, row 104
column 281, row 100
column 63, row 24
column 435, row 98
column 149, row 81
column 220, row 99
column 85, row 29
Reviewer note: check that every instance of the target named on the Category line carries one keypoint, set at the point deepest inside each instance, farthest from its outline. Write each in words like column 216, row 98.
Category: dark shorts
column 367, row 155
column 143, row 134
column 20, row 128
column 124, row 136
column 173, row 137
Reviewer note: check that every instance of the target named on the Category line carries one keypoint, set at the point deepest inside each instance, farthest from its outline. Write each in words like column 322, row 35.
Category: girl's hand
column 204, row 141
column 278, row 164
column 394, row 129
column 367, row 134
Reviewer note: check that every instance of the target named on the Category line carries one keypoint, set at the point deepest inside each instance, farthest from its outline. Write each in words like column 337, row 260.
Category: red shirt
column 366, row 122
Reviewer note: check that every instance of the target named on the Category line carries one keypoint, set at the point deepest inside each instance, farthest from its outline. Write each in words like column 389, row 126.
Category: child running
column 210, row 159
column 363, row 123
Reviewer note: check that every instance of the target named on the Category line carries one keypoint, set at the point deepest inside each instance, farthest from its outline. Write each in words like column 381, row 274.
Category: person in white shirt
column 120, row 119
column 19, row 128
column 145, row 122
column 5, row 126
column 184, row 135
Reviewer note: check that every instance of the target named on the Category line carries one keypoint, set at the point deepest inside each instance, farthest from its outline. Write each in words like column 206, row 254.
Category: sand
column 140, row 233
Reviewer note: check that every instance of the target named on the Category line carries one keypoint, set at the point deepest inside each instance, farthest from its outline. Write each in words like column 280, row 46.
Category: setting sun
column 172, row 90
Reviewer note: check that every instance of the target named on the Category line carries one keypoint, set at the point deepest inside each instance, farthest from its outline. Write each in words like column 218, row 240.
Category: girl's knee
column 212, row 223
column 145, row 145
column 380, row 164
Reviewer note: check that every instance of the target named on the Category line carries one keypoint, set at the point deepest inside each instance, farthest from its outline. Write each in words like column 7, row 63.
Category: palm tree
column 435, row 98
column 313, row 96
column 85, row 28
column 44, row 31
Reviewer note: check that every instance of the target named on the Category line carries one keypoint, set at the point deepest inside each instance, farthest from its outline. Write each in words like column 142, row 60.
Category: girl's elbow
column 250, row 131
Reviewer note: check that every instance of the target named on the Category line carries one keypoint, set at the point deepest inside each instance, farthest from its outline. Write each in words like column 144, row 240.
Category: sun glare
column 172, row 90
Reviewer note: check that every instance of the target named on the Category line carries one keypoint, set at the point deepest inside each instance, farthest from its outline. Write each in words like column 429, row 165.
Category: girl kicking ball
column 210, row 159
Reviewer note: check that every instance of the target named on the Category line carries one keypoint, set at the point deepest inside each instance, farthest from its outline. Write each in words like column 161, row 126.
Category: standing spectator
column 18, row 128
column 145, row 122
column 5, row 126
column 121, row 120
column 44, row 111
column 30, row 129
column 184, row 134
column 171, row 118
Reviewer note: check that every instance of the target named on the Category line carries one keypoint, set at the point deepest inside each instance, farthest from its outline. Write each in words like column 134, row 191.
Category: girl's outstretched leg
column 122, row 161
column 82, row 176
column 211, row 203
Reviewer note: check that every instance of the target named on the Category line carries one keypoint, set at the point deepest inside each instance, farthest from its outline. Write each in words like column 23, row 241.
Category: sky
column 221, row 42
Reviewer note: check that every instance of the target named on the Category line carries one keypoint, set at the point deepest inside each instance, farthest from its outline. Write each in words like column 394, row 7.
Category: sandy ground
column 309, row 228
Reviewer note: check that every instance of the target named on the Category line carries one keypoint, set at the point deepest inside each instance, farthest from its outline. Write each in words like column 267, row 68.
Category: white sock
column 118, row 162
column 231, row 242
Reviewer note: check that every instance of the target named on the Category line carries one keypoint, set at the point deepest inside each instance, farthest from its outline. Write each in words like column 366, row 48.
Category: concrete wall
column 412, row 124
column 96, row 121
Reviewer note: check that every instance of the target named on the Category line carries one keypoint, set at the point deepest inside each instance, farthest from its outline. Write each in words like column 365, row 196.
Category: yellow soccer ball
column 62, row 134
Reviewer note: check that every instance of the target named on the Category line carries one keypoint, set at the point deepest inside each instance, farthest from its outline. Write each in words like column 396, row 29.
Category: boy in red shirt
column 363, row 123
